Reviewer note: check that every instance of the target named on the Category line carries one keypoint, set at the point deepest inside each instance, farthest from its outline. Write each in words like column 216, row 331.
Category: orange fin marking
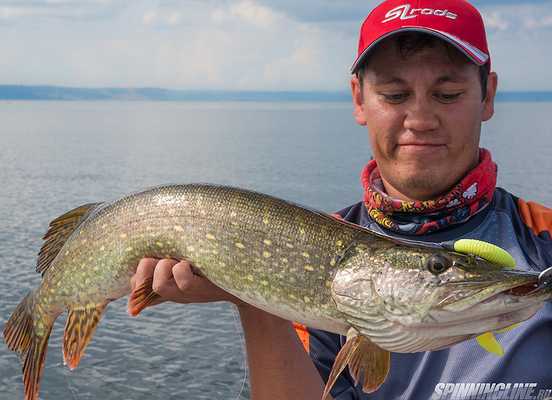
column 58, row 232
column 18, row 331
column 141, row 297
column 79, row 328
column 303, row 335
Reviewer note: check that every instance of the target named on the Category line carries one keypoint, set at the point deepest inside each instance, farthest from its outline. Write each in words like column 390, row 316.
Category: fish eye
column 438, row 263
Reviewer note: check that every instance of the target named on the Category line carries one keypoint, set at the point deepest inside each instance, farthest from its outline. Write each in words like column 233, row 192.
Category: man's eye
column 447, row 97
column 395, row 97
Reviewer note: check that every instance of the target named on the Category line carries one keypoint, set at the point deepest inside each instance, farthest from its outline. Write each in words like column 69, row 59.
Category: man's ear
column 488, row 103
column 358, row 101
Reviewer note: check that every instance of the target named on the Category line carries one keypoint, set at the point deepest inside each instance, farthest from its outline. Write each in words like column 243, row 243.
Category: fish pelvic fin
column 79, row 328
column 20, row 336
column 18, row 331
column 141, row 297
column 368, row 363
column 58, row 232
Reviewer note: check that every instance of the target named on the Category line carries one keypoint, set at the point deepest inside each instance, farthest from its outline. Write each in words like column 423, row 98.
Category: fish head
column 409, row 299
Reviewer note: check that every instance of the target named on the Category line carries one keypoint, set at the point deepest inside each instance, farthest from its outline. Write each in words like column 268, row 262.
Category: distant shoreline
column 62, row 93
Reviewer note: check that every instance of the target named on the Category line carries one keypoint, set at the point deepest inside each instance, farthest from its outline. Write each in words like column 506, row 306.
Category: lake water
column 55, row 156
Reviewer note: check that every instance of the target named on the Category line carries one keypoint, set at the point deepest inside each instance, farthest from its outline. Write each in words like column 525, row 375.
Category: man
column 422, row 86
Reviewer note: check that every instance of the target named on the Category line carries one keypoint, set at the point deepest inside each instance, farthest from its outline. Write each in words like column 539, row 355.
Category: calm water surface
column 55, row 156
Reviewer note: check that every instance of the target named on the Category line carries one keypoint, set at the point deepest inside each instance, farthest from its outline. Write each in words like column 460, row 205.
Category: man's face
column 423, row 113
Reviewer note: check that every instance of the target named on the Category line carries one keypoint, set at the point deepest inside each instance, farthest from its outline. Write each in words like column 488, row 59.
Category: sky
column 232, row 44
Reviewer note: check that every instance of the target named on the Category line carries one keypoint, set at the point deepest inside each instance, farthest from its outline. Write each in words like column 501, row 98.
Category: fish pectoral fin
column 58, row 232
column 79, row 329
column 367, row 363
column 141, row 297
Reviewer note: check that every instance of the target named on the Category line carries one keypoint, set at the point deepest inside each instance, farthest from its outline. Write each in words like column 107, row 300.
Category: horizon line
column 68, row 93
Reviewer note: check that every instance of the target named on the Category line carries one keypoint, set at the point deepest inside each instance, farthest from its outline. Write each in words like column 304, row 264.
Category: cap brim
column 473, row 53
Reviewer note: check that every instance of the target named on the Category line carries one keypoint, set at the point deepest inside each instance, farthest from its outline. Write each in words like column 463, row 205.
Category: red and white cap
column 455, row 21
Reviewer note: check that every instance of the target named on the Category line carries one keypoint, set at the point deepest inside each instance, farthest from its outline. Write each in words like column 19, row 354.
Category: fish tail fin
column 141, row 297
column 79, row 329
column 33, row 364
column 18, row 332
column 20, row 336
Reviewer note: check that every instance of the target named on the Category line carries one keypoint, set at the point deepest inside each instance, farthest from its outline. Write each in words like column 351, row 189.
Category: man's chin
column 421, row 184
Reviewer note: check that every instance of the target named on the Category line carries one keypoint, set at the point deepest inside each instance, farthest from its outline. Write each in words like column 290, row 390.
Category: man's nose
column 421, row 116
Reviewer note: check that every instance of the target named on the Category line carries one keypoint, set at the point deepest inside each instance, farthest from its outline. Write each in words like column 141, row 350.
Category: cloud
column 229, row 44
column 356, row 11
column 323, row 10
column 518, row 39
column 241, row 45
column 518, row 17
column 161, row 18
column 543, row 21
column 149, row 17
column 250, row 12
column 247, row 12
column 494, row 20
column 58, row 9
column 527, row 3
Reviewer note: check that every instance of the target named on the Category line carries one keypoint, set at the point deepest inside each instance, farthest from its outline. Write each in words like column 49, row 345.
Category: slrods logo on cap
column 406, row 12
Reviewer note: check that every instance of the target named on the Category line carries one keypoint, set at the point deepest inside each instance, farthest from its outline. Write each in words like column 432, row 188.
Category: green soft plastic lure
column 490, row 252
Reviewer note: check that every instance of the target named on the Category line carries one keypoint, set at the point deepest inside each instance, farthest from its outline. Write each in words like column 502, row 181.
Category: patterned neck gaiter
column 470, row 196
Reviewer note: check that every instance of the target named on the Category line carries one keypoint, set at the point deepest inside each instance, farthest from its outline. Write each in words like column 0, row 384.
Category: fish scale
column 286, row 259
column 203, row 217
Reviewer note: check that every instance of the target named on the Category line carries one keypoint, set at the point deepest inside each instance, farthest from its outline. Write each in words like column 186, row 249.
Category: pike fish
column 306, row 266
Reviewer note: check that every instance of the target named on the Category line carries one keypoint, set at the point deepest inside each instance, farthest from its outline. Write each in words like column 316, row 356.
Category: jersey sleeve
column 537, row 218
column 535, row 232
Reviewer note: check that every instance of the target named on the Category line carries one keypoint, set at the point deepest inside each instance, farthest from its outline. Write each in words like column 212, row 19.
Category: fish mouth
column 488, row 309
column 512, row 286
column 538, row 284
column 523, row 290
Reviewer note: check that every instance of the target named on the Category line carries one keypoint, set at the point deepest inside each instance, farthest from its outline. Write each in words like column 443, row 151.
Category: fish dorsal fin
column 367, row 363
column 79, row 328
column 58, row 232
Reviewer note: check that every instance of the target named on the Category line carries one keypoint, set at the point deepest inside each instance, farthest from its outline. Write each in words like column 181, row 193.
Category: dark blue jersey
column 524, row 230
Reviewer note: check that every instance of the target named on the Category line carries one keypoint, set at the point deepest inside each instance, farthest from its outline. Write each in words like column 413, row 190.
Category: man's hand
column 175, row 281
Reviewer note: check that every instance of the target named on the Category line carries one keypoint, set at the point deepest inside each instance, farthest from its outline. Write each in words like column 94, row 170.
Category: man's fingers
column 175, row 281
column 183, row 275
column 144, row 271
column 163, row 281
